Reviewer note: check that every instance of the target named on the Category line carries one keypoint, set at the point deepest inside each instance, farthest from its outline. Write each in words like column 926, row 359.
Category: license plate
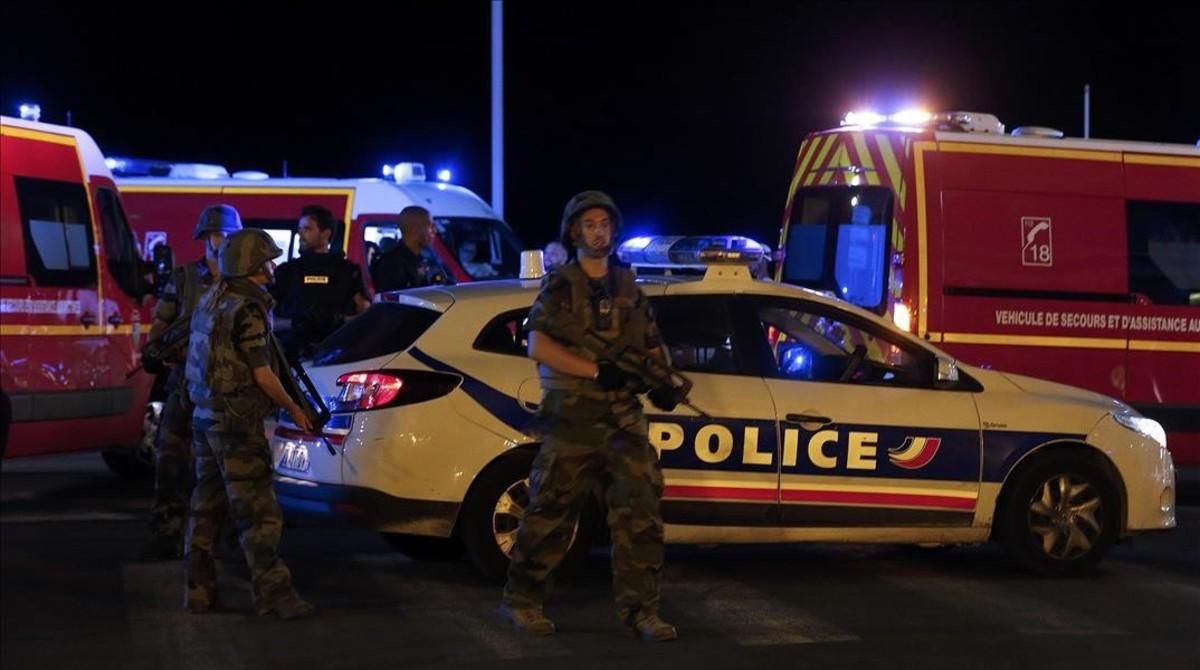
column 294, row 457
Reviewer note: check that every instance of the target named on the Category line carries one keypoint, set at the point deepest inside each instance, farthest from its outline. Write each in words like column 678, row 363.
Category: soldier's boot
column 288, row 605
column 651, row 628
column 162, row 547
column 201, row 598
column 529, row 619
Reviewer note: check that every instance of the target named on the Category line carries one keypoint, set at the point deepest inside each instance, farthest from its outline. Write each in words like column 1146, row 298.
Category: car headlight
column 1143, row 426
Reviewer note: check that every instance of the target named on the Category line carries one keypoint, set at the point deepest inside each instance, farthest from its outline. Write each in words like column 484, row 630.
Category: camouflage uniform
column 173, row 478
column 593, row 437
column 230, row 331
column 173, row 442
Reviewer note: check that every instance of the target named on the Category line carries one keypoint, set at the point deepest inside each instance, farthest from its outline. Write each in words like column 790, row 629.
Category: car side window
column 820, row 344
column 699, row 333
column 505, row 334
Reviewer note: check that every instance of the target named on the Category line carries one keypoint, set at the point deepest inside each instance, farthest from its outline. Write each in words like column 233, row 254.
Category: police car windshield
column 837, row 240
column 486, row 248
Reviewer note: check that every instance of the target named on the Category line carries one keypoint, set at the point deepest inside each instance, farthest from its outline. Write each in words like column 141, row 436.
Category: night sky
column 688, row 114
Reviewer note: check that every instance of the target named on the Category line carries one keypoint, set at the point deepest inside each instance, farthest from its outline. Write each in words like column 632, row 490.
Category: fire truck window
column 698, row 333
column 821, row 345
column 837, row 241
column 120, row 249
column 1164, row 251
column 58, row 232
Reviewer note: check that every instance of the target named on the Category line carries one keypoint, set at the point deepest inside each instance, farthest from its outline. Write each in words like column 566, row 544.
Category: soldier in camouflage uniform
column 173, row 442
column 233, row 382
column 596, row 432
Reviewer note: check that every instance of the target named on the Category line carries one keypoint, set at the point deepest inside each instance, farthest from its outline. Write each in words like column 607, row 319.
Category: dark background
column 689, row 114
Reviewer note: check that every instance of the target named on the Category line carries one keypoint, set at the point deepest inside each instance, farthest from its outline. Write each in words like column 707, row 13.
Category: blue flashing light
column 387, row 169
column 636, row 243
column 30, row 111
column 444, row 175
column 667, row 251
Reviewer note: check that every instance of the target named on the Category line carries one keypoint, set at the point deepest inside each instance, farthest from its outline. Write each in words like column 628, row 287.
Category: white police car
column 826, row 423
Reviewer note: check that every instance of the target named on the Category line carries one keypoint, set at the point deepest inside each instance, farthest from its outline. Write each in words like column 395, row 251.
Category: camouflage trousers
column 173, row 472
column 567, row 468
column 233, row 475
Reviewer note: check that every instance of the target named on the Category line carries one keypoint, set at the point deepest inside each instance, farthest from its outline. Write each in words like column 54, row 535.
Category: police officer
column 317, row 292
column 407, row 265
column 595, row 430
column 232, row 381
column 173, row 443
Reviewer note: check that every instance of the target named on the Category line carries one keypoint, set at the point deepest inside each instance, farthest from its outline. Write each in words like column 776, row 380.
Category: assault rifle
column 648, row 367
column 172, row 341
column 301, row 389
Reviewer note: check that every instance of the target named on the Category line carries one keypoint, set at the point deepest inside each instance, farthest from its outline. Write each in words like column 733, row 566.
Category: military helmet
column 580, row 203
column 218, row 219
column 245, row 251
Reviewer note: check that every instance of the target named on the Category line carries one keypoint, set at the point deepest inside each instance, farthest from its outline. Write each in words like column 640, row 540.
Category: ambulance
column 472, row 242
column 72, row 296
column 1076, row 260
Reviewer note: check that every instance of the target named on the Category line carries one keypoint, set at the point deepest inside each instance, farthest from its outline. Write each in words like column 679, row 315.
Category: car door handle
column 114, row 319
column 87, row 319
column 808, row 418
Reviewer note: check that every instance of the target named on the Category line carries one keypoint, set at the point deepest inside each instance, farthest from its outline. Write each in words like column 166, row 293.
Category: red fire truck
column 72, row 290
column 165, row 199
column 1070, row 259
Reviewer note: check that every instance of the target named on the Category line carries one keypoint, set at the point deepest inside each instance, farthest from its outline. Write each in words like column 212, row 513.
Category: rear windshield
column 385, row 328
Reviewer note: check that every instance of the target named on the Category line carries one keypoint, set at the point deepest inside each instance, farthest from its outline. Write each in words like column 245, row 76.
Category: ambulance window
column 698, row 333
column 1164, row 245
column 378, row 239
column 283, row 231
column 822, row 345
column 58, row 232
column 485, row 248
column 120, row 249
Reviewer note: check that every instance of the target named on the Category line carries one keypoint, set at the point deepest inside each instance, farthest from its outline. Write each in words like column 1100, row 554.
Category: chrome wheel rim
column 510, row 511
column 1066, row 516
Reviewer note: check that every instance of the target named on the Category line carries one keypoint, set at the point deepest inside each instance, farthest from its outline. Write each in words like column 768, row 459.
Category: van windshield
column 837, row 241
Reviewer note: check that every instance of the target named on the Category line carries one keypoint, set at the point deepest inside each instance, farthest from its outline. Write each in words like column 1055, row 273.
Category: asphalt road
column 73, row 595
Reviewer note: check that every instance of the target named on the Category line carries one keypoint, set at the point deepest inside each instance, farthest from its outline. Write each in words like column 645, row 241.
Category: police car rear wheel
column 1061, row 515
column 493, row 512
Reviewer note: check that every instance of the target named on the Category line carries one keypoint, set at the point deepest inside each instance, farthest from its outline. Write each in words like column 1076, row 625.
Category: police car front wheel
column 1061, row 515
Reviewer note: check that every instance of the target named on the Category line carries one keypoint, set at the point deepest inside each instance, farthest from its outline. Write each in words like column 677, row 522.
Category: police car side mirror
column 163, row 260
column 947, row 371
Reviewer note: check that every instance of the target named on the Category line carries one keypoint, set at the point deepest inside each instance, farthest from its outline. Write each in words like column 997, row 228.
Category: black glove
column 611, row 377
column 153, row 365
column 664, row 397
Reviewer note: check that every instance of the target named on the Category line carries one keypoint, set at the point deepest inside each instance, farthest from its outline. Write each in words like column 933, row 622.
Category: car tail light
column 361, row 391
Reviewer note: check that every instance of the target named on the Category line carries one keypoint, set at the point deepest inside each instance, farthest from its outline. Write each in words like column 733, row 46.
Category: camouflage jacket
column 178, row 301
column 615, row 308
column 230, row 331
